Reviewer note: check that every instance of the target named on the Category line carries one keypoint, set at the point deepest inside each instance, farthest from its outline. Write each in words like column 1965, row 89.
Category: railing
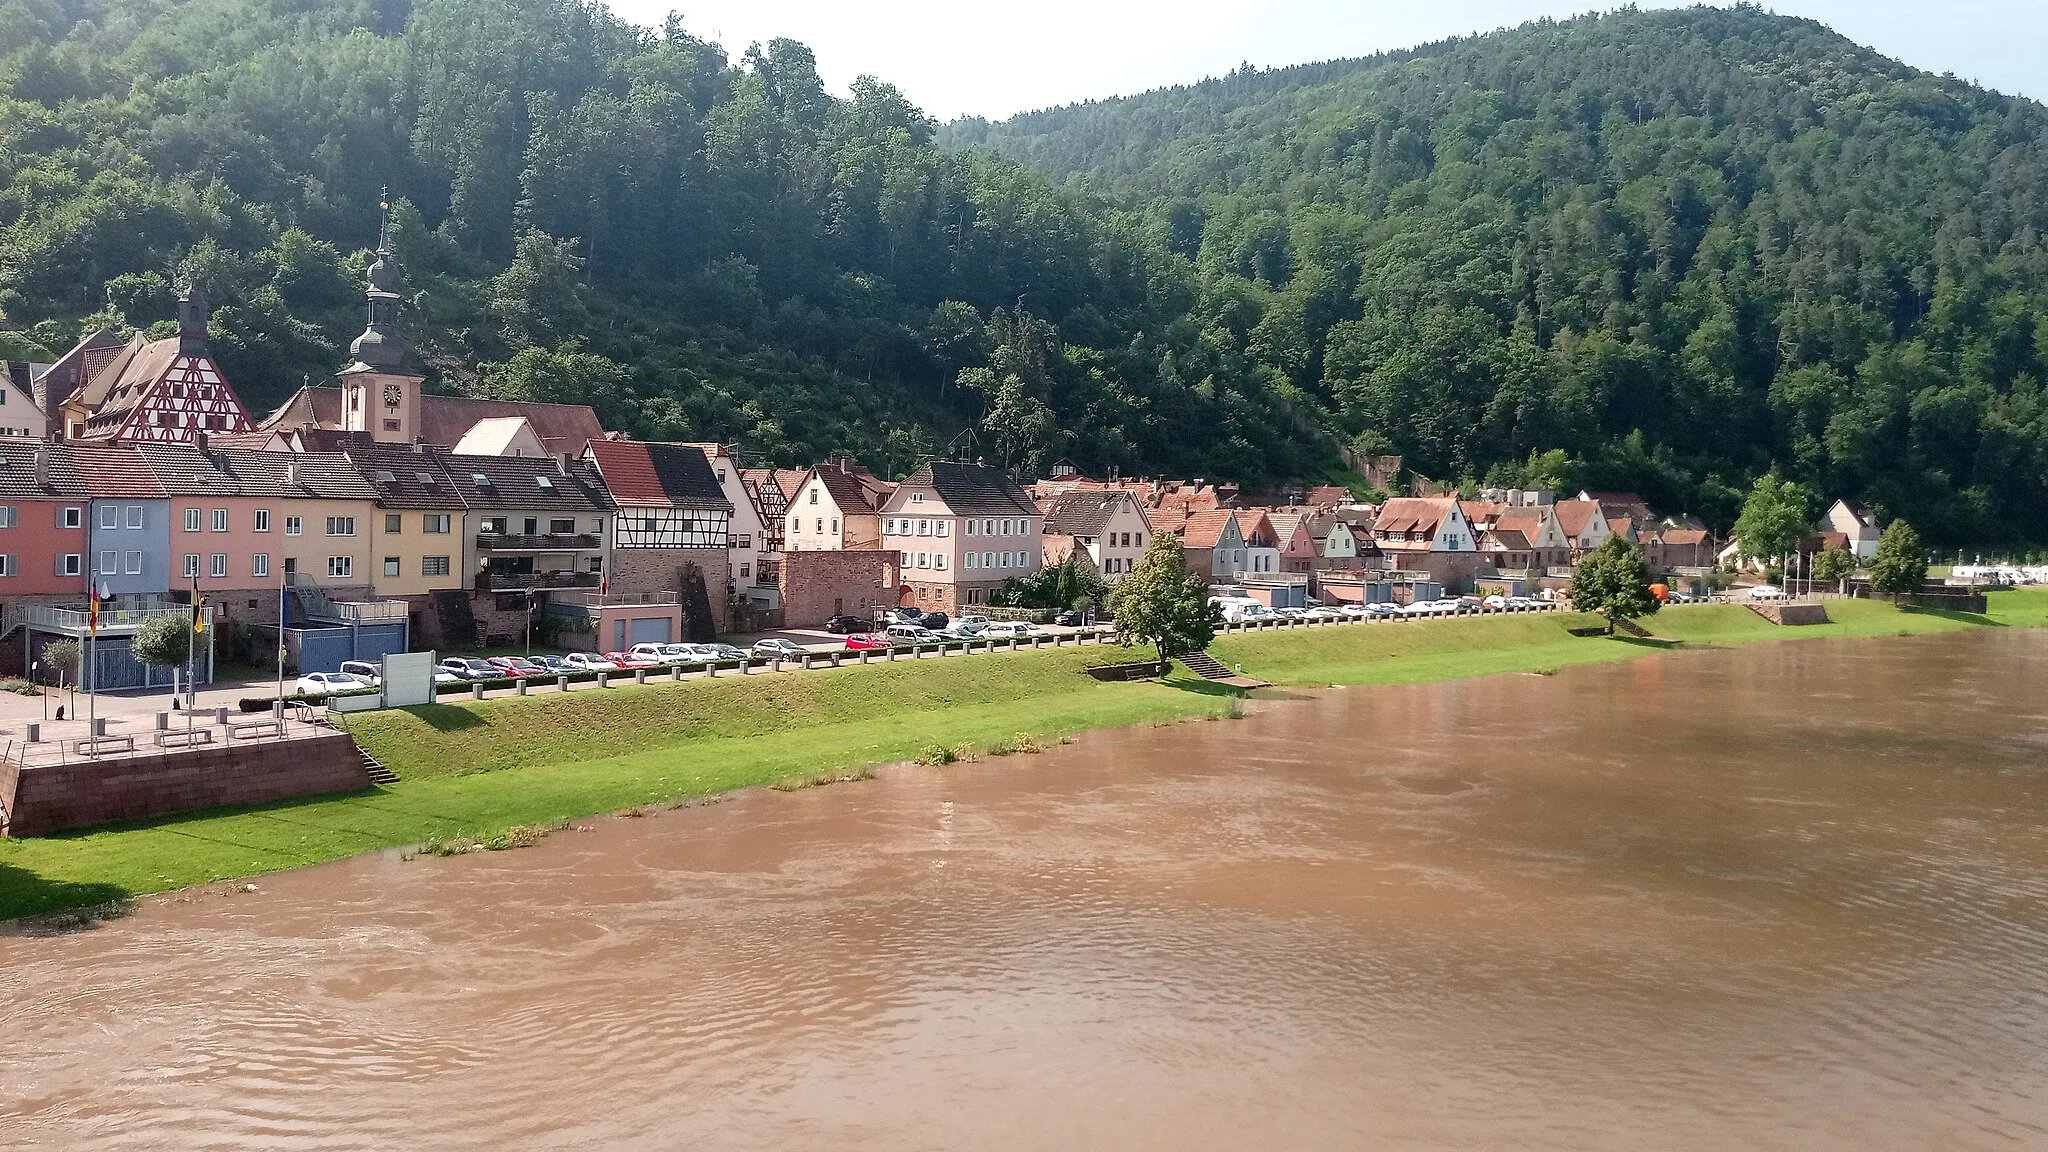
column 616, row 599
column 1270, row 578
column 79, row 620
column 520, row 581
column 360, row 611
column 768, row 574
column 543, row 542
column 1564, row 572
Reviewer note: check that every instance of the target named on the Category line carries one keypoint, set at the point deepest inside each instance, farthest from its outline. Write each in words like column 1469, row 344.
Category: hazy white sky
column 991, row 60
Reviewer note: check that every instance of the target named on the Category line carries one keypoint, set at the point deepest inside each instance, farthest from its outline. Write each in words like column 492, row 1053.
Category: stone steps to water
column 1209, row 668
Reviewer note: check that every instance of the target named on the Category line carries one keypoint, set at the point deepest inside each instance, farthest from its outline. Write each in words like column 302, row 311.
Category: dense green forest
column 1664, row 251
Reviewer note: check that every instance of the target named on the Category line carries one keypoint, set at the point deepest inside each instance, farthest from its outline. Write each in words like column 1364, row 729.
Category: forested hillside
column 701, row 246
column 1663, row 251
column 1680, row 247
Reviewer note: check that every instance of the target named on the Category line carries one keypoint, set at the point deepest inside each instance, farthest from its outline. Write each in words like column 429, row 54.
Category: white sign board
column 408, row 679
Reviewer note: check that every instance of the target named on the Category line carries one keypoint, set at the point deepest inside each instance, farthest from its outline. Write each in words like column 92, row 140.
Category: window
column 219, row 565
column 941, row 527
column 7, row 519
column 821, row 526
column 971, row 560
column 924, row 527
column 394, row 523
column 988, row 559
column 110, row 516
column 924, row 559
column 746, row 541
column 917, row 497
column 1003, row 560
column 262, row 520
column 562, row 527
column 649, row 524
column 597, row 525
column 74, row 518
column 970, row 528
column 889, row 527
column 433, row 565
column 596, row 565
column 434, row 524
column 293, row 526
column 9, row 566
column 191, row 565
column 795, row 525
column 341, row 525
column 132, row 562
column 835, row 524
column 110, row 562
column 391, row 566
column 988, row 527
column 220, row 519
column 939, row 560
column 340, row 566
column 746, row 570
column 814, row 495
column 191, row 519
column 259, row 565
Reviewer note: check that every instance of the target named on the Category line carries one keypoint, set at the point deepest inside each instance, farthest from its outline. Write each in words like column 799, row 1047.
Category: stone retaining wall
column 1792, row 613
column 50, row 798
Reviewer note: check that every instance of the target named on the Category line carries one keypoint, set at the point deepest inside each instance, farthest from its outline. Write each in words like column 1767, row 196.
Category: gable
column 189, row 397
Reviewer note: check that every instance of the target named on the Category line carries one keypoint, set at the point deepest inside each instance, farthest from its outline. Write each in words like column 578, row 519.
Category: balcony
column 545, row 542
column 600, row 600
column 768, row 574
column 523, row 581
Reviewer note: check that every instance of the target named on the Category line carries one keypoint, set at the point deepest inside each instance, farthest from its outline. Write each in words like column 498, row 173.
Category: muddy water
column 1787, row 897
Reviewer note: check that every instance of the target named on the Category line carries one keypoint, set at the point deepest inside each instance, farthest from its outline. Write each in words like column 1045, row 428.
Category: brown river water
column 1791, row 896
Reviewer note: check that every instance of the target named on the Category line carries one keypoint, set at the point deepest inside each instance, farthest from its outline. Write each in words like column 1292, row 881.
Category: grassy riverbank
column 476, row 770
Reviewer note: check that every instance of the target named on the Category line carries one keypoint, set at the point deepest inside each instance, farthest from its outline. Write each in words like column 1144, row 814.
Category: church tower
column 379, row 395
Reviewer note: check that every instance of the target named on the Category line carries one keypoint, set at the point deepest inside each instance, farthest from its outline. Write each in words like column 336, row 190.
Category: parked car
column 846, row 625
column 441, row 677
column 724, row 652
column 550, row 664
column 933, row 620
column 470, row 668
column 1005, row 629
column 972, row 622
column 911, row 634
column 1767, row 592
column 910, row 614
column 371, row 674
column 328, row 683
column 664, row 653
column 1290, row 613
column 1677, row 598
column 1495, row 603
column 516, row 666
column 1355, row 611
column 1068, row 619
column 629, row 661
column 776, row 648
column 867, row 641
column 587, row 662
column 1321, row 613
column 1523, row 604
column 1383, row 608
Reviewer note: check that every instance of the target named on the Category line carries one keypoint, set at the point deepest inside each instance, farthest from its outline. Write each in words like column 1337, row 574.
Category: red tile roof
column 1204, row 529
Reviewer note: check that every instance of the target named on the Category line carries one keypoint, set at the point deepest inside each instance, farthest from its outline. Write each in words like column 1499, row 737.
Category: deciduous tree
column 1163, row 603
column 1900, row 565
column 1615, row 582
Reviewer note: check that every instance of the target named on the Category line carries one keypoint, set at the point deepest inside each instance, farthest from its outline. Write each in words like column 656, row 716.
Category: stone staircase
column 378, row 773
column 1209, row 668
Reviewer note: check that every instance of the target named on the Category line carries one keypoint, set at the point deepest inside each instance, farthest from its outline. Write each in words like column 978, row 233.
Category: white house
column 753, row 554
column 501, row 436
column 1584, row 524
column 1105, row 525
column 1855, row 523
column 837, row 507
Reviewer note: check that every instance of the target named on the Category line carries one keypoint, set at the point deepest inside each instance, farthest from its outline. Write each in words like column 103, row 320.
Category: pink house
column 960, row 531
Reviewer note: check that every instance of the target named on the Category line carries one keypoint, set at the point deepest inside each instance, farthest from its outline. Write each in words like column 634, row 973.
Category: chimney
column 192, row 319
column 42, row 468
column 199, row 439
column 562, row 465
column 291, row 473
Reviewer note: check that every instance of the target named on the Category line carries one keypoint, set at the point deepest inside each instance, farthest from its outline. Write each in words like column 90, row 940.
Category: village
column 373, row 517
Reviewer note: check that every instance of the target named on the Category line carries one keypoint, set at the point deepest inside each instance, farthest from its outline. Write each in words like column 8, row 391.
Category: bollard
column 778, row 664
column 891, row 657
column 863, row 655
column 562, row 682
column 163, row 721
column 99, row 726
column 35, row 733
column 604, row 679
column 277, row 713
column 835, row 659
column 640, row 675
column 675, row 673
column 220, row 715
column 520, row 684
column 476, row 690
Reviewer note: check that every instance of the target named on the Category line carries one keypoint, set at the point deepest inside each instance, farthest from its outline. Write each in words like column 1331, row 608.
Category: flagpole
column 281, row 577
column 92, row 659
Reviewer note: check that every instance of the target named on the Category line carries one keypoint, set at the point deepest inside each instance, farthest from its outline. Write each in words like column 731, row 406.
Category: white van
column 1240, row 609
column 911, row 634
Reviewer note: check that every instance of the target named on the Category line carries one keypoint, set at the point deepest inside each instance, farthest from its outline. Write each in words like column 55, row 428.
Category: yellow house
column 416, row 545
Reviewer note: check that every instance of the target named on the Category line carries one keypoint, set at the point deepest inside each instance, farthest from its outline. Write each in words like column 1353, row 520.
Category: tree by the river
column 1614, row 580
column 1164, row 603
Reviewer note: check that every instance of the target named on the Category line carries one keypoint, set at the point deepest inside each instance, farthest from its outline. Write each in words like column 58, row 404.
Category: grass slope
column 478, row 770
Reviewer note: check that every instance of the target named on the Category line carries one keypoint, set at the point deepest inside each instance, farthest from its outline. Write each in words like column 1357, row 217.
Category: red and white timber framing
column 189, row 398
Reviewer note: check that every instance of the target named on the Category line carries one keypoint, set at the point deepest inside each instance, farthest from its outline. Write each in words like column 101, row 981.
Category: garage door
column 653, row 630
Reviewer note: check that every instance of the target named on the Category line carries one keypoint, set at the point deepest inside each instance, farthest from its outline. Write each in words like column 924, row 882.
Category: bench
column 248, row 728
column 184, row 738
column 94, row 745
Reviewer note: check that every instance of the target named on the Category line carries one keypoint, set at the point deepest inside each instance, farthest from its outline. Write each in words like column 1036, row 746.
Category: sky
column 993, row 60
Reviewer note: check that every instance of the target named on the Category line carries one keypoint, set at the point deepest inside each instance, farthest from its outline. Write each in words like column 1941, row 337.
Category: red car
column 629, row 661
column 871, row 641
column 516, row 666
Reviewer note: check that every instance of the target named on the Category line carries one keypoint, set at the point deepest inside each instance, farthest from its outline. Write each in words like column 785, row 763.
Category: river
column 1788, row 896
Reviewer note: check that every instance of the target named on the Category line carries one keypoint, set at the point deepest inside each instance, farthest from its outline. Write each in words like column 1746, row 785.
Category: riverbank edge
column 106, row 868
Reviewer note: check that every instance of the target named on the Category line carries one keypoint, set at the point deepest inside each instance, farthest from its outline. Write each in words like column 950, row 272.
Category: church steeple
column 380, row 346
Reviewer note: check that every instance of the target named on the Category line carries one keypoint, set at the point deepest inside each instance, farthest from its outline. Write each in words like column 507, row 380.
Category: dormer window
column 917, row 497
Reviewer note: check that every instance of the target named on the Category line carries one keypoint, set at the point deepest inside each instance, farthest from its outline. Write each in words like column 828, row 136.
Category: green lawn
column 479, row 769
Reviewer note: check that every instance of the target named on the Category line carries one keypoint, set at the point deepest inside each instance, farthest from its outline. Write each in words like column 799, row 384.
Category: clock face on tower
column 392, row 395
